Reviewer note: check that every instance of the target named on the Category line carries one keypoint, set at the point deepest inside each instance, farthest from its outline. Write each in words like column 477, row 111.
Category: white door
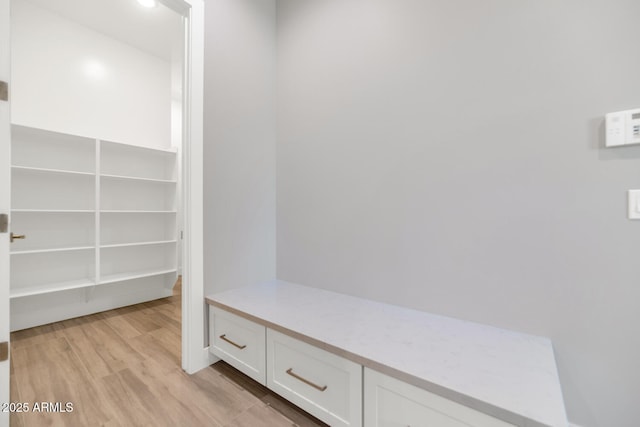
column 5, row 185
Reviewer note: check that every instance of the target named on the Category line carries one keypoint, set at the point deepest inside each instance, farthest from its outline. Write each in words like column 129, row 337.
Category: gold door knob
column 13, row 237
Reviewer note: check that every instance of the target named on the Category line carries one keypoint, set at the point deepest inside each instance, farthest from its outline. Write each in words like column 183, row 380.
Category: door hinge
column 4, row 223
column 4, row 91
column 4, row 351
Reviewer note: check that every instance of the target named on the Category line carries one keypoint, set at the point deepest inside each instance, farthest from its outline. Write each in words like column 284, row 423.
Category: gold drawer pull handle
column 304, row 380
column 224, row 337
column 13, row 237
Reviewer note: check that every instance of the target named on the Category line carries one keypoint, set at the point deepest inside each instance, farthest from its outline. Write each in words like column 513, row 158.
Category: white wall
column 239, row 143
column 69, row 78
column 448, row 156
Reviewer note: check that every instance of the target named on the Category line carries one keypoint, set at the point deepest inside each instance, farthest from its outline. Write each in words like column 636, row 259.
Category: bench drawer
column 323, row 384
column 239, row 342
column 389, row 402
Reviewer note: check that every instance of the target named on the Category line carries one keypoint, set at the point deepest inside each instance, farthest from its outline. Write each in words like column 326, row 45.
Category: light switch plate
column 634, row 204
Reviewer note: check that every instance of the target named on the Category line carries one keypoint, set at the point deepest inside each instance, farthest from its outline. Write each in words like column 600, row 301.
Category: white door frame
column 5, row 201
column 195, row 354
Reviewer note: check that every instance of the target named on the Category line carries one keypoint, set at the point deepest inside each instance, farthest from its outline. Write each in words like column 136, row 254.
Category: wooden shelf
column 124, row 245
column 121, row 277
column 51, row 250
column 50, row 287
column 54, row 171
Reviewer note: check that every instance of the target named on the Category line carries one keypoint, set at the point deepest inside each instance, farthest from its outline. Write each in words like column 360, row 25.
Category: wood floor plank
column 114, row 350
column 141, row 321
column 87, row 353
column 38, row 354
column 14, row 420
column 241, row 380
column 261, row 415
column 299, row 417
column 153, row 404
column 128, row 409
column 147, row 346
column 123, row 368
column 121, row 326
column 62, row 379
column 222, row 399
column 293, row 413
column 32, row 336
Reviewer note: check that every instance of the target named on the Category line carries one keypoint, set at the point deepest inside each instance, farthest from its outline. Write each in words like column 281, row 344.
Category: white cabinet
column 389, row 402
column 239, row 342
column 467, row 374
column 323, row 384
column 93, row 212
column 334, row 389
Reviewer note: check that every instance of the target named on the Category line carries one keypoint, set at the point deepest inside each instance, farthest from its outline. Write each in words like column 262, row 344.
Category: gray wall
column 239, row 143
column 447, row 155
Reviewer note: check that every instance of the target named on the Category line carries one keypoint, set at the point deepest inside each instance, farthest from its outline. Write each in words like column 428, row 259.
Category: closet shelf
column 53, row 211
column 124, row 146
column 121, row 277
column 116, row 211
column 48, row 288
column 52, row 171
column 96, row 213
column 149, row 243
column 136, row 178
column 51, row 250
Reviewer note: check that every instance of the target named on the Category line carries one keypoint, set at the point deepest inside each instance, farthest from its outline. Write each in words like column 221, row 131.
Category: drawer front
column 323, row 384
column 239, row 342
column 389, row 402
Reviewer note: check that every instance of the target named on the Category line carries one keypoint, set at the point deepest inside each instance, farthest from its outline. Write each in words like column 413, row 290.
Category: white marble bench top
column 509, row 375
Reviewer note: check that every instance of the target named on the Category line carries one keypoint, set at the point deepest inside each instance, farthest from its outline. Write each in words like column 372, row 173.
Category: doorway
column 96, row 144
column 193, row 345
column 194, row 353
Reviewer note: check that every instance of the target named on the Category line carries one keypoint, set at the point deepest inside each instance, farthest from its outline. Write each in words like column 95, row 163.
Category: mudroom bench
column 355, row 362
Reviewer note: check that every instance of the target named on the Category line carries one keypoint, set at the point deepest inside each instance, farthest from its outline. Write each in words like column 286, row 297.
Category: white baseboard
column 210, row 359
column 207, row 359
column 48, row 308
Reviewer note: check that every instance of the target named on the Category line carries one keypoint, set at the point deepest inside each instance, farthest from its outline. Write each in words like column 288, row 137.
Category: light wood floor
column 122, row 368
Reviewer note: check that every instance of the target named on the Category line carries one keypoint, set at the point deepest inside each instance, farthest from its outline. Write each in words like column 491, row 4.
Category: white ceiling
column 156, row 30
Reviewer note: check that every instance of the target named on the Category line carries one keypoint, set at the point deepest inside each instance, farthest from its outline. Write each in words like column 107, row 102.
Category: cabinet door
column 389, row 402
column 239, row 342
column 323, row 384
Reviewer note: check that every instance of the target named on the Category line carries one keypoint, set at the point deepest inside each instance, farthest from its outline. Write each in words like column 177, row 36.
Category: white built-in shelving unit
column 94, row 213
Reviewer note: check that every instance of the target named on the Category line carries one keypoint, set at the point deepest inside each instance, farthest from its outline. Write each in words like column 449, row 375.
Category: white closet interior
column 95, row 217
